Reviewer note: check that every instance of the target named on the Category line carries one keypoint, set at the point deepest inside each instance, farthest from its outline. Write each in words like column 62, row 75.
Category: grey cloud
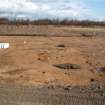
column 43, row 9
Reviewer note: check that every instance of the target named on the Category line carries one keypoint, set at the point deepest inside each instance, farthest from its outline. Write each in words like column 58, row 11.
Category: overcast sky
column 35, row 9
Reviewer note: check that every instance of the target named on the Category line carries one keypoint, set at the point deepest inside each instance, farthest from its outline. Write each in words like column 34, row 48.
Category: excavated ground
column 52, row 70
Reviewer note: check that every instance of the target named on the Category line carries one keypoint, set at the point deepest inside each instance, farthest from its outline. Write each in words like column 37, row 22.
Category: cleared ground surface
column 30, row 62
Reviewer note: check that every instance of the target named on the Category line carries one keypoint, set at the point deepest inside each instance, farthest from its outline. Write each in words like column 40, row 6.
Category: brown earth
column 28, row 75
column 30, row 60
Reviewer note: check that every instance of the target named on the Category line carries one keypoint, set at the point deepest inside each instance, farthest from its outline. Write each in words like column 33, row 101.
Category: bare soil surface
column 28, row 75
column 31, row 60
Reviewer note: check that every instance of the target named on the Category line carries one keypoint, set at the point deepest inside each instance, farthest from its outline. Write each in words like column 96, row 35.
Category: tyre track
column 43, row 96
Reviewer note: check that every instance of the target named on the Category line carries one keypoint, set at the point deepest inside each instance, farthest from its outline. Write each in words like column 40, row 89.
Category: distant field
column 48, row 30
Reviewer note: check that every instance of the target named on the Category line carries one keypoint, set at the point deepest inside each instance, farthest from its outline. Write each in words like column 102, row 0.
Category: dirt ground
column 30, row 60
column 28, row 75
column 30, row 95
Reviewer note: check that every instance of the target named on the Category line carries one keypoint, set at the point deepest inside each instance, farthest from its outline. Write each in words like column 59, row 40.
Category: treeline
column 52, row 22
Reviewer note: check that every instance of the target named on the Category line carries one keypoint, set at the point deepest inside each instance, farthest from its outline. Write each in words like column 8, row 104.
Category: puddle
column 67, row 66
